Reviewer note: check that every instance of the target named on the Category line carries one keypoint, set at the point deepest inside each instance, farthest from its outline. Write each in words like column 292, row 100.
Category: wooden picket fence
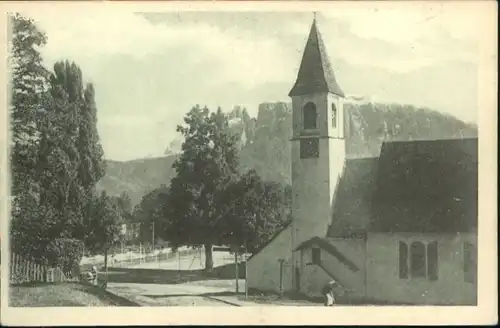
column 23, row 270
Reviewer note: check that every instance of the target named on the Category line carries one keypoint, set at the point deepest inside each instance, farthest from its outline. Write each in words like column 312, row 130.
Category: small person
column 328, row 293
column 94, row 274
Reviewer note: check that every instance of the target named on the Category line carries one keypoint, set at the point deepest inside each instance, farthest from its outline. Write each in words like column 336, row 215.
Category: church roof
column 413, row 186
column 315, row 73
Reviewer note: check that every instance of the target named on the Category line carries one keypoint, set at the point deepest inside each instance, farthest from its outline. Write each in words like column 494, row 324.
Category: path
column 177, row 295
column 177, row 283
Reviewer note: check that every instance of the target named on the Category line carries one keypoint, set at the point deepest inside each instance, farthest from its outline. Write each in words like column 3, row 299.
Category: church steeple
column 315, row 73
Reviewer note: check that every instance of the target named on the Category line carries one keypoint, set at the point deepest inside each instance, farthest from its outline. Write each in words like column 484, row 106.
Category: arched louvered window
column 417, row 260
column 310, row 116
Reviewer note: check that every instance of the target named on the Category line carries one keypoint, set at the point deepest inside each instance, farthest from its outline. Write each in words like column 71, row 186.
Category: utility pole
column 236, row 267
column 153, row 241
column 179, row 259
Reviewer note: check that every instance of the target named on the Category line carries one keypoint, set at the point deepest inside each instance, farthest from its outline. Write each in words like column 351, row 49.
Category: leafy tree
column 70, row 155
column 207, row 165
column 59, row 158
column 260, row 209
column 28, row 104
column 92, row 165
column 124, row 204
column 148, row 212
column 56, row 156
column 104, row 226
column 28, row 89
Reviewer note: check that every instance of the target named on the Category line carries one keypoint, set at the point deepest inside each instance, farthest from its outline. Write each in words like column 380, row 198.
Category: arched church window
column 417, row 260
column 309, row 113
column 334, row 116
column 403, row 260
column 432, row 260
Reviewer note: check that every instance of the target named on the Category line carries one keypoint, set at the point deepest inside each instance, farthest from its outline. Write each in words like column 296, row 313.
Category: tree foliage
column 124, row 205
column 65, row 253
column 149, row 212
column 207, row 165
column 28, row 103
column 208, row 202
column 259, row 209
column 59, row 156
column 56, row 157
column 104, row 226
column 92, row 165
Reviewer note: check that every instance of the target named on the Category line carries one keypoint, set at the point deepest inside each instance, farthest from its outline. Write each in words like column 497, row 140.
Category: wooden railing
column 24, row 270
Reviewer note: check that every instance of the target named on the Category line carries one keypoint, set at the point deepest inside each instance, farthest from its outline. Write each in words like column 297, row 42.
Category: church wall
column 384, row 283
column 264, row 268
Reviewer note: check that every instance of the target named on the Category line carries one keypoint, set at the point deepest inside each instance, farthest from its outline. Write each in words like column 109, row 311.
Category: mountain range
column 264, row 142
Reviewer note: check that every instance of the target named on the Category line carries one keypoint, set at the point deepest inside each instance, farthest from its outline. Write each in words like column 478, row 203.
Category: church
column 400, row 228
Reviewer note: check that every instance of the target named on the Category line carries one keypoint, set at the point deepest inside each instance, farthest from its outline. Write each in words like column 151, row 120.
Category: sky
column 149, row 69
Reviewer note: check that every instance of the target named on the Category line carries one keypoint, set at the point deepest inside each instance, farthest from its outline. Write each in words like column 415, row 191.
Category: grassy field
column 62, row 294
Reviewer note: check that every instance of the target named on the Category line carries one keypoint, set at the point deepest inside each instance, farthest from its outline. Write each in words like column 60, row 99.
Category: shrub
column 66, row 254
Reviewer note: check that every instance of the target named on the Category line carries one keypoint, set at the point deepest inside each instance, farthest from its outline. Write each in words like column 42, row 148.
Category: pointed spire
column 315, row 72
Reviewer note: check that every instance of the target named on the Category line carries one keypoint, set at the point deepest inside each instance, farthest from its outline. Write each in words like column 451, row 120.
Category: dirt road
column 174, row 282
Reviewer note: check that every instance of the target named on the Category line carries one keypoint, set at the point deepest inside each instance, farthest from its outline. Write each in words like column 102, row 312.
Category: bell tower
column 318, row 144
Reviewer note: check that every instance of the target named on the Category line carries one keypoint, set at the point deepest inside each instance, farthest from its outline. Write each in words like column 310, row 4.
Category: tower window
column 309, row 148
column 310, row 115
column 334, row 116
